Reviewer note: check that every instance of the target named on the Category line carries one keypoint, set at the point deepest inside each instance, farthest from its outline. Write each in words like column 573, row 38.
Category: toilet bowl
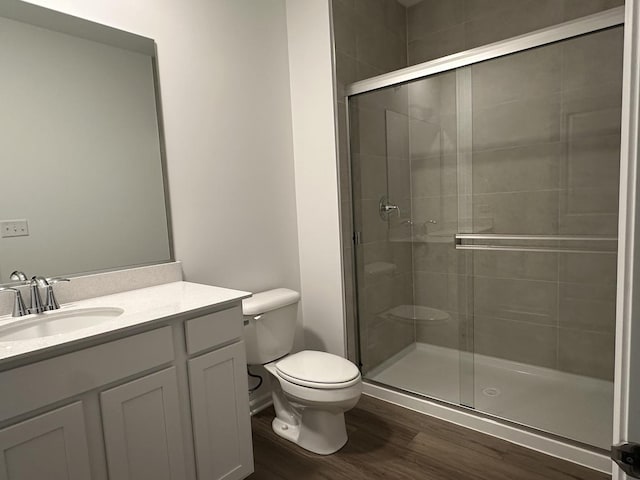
column 309, row 412
column 311, row 390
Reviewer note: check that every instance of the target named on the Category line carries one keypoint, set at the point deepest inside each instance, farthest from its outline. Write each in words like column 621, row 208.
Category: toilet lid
column 311, row 368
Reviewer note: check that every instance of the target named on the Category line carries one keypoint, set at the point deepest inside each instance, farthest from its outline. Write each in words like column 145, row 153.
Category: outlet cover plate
column 14, row 228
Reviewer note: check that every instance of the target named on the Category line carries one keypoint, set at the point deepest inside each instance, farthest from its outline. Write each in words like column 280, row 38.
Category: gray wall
column 439, row 270
column 370, row 39
column 546, row 161
column 437, row 28
column 380, row 153
column 545, row 153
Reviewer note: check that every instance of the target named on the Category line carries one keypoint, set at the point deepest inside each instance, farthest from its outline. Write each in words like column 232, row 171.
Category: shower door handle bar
column 550, row 238
column 511, row 248
column 522, row 248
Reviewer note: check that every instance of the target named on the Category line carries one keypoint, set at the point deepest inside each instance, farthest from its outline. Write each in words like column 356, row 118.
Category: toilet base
column 318, row 431
column 311, row 418
column 285, row 430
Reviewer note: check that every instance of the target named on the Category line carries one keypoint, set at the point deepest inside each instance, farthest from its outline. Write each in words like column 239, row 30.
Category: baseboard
column 532, row 440
column 258, row 404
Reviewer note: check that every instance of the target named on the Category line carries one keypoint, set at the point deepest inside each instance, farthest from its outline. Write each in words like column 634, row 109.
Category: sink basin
column 54, row 323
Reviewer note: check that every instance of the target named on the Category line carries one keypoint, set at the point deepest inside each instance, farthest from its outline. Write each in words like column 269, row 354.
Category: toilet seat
column 331, row 394
column 319, row 370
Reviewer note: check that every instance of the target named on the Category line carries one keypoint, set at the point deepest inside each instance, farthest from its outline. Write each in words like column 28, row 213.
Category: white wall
column 314, row 141
column 225, row 93
column 228, row 103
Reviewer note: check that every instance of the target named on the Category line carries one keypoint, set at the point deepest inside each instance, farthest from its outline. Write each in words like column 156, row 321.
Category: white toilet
column 313, row 389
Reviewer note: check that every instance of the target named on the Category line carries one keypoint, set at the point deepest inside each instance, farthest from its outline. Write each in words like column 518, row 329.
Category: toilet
column 311, row 390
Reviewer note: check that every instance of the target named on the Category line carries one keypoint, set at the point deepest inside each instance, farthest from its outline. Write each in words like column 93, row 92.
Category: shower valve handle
column 386, row 208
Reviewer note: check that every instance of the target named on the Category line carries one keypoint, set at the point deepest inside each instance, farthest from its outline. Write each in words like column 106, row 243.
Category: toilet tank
column 269, row 324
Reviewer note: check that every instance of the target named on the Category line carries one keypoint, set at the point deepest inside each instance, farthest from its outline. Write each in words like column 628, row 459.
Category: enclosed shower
column 485, row 209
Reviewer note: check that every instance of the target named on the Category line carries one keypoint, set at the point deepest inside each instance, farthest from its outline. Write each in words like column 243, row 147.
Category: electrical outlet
column 14, row 228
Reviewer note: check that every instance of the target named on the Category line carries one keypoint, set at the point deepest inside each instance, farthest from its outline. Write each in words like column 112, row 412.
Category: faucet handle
column 51, row 303
column 38, row 280
column 19, row 309
column 385, row 208
column 18, row 276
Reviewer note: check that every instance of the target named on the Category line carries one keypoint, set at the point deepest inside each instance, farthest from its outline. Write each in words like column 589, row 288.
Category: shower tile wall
column 437, row 28
column 370, row 39
column 556, row 162
column 434, row 188
column 545, row 160
column 380, row 166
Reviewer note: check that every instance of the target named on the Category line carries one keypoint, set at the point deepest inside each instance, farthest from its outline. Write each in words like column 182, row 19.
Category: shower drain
column 491, row 392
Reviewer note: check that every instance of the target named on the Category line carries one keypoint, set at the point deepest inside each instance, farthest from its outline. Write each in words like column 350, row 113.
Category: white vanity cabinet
column 221, row 423
column 143, row 428
column 50, row 446
column 169, row 403
column 218, row 387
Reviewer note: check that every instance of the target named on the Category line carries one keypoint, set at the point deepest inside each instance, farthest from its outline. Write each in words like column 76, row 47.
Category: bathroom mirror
column 81, row 147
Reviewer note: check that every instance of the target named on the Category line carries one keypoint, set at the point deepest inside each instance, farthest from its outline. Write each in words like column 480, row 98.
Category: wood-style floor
column 386, row 441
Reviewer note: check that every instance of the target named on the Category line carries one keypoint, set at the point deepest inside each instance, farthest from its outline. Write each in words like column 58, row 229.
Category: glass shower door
column 412, row 310
column 486, row 208
column 545, row 170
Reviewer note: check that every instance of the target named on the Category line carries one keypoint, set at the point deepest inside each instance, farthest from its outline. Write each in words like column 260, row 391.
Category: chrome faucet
column 19, row 308
column 35, row 305
column 36, row 301
column 51, row 303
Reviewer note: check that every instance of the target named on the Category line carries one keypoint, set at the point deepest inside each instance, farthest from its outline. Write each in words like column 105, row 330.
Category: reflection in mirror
column 80, row 147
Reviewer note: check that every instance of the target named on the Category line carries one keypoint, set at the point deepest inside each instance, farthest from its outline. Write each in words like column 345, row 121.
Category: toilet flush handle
column 257, row 317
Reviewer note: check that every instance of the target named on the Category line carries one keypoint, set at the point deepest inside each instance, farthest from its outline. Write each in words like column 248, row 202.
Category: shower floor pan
column 571, row 406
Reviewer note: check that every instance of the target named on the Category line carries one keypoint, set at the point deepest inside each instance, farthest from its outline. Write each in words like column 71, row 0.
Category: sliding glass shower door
column 404, row 171
column 486, row 206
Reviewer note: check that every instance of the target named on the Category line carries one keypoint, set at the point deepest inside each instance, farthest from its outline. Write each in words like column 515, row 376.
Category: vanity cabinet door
column 220, row 410
column 142, row 429
column 51, row 446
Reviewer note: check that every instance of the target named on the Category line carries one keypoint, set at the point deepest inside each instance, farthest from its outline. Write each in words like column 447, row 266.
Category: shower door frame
column 556, row 33
column 564, row 31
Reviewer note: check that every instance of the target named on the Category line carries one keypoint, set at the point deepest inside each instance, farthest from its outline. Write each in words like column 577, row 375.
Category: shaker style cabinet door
column 220, row 410
column 51, row 446
column 142, row 429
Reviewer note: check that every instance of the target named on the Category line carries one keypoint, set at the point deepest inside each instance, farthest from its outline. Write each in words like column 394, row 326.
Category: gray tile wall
column 436, row 28
column 370, row 39
column 546, row 130
column 545, row 160
column 437, row 267
column 380, row 166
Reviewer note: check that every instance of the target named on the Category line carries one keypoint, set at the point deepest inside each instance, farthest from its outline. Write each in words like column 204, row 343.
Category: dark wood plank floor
column 386, row 441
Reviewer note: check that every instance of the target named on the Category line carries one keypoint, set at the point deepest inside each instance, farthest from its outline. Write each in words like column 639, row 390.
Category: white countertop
column 145, row 305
